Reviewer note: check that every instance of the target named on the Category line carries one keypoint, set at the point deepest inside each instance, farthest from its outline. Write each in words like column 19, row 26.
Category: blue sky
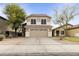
column 42, row 8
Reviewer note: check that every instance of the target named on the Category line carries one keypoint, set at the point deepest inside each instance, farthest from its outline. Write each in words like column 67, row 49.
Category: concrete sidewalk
column 37, row 46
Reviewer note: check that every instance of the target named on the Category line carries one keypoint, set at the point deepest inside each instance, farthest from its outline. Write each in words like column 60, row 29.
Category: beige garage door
column 39, row 33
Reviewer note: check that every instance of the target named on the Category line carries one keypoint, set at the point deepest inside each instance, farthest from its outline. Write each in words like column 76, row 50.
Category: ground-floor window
column 62, row 32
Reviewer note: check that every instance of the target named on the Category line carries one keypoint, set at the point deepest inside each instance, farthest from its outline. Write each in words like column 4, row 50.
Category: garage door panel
column 39, row 33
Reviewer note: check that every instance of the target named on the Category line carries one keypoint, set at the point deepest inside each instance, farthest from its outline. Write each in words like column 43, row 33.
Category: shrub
column 1, row 37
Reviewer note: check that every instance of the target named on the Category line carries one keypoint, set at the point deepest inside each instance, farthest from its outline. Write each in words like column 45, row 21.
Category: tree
column 15, row 15
column 65, row 15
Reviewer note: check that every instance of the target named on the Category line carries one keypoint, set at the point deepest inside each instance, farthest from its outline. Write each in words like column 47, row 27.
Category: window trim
column 62, row 32
column 33, row 21
column 43, row 21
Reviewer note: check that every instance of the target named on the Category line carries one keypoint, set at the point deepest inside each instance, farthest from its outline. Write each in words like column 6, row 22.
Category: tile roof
column 38, row 15
column 69, row 28
column 73, row 27
column 3, row 18
column 63, row 26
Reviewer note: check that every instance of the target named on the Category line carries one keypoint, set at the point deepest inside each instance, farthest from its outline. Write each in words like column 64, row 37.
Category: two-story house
column 38, row 25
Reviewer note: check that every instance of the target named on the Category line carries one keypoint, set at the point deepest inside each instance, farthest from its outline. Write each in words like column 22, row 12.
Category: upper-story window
column 33, row 21
column 43, row 21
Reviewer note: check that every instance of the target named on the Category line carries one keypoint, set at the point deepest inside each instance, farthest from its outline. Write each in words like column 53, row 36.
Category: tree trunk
column 15, row 32
column 66, row 30
column 60, row 37
column 23, row 31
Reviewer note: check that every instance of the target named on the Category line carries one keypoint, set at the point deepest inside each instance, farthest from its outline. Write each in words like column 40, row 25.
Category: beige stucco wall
column 3, row 25
column 73, row 32
column 49, row 32
column 38, row 20
column 27, row 34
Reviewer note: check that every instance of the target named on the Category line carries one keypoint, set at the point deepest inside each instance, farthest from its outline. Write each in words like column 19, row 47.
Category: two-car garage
column 38, row 31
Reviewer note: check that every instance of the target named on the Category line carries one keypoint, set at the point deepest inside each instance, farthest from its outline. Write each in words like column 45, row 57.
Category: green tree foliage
column 15, row 15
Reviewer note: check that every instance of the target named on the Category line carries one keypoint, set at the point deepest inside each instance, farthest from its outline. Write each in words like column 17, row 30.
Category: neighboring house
column 73, row 31
column 5, row 29
column 3, row 25
column 59, row 31
column 38, row 25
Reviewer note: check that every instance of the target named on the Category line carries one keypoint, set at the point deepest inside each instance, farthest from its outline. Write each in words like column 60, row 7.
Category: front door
column 57, row 33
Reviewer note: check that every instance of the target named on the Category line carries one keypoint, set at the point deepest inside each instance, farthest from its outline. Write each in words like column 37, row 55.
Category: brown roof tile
column 3, row 18
column 38, row 15
column 73, row 27
column 63, row 26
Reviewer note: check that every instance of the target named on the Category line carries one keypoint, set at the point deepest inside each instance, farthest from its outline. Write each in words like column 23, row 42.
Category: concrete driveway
column 39, row 41
column 37, row 46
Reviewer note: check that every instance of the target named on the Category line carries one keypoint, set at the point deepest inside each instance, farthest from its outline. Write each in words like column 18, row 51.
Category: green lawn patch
column 72, row 39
